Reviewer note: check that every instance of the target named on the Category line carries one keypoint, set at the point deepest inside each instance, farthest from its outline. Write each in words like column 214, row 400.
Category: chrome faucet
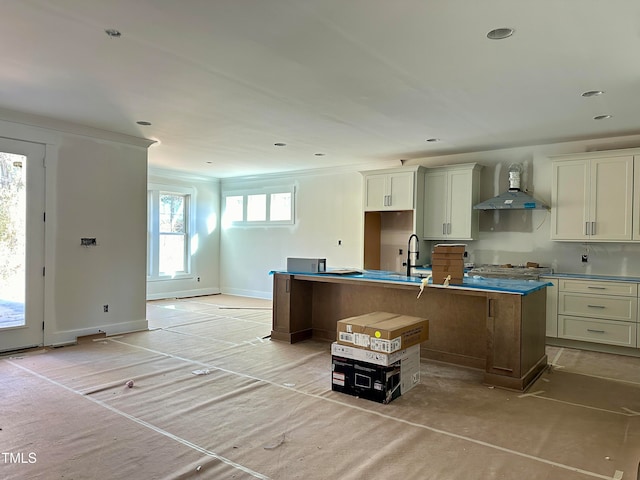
column 409, row 252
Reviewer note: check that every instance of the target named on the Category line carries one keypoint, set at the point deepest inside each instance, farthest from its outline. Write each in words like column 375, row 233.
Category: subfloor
column 212, row 398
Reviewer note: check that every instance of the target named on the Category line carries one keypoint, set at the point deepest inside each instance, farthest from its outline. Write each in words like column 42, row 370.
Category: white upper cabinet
column 389, row 190
column 592, row 198
column 450, row 194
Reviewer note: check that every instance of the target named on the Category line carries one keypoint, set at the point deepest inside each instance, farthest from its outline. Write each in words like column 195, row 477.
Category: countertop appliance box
column 379, row 383
column 369, row 356
column 306, row 265
column 382, row 332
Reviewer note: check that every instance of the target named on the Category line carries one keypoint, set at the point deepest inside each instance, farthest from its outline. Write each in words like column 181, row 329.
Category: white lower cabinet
column 610, row 332
column 598, row 311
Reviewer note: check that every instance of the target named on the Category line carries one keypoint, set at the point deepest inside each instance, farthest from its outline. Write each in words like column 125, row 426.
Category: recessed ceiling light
column 113, row 33
column 500, row 33
column 602, row 117
column 143, row 123
column 593, row 93
column 431, row 140
column 280, row 144
column 319, row 154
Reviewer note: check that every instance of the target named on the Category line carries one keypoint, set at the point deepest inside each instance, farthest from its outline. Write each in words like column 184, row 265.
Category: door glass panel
column 12, row 239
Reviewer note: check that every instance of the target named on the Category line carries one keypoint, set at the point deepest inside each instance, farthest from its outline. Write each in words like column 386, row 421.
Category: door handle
column 444, row 228
column 586, row 228
column 596, row 306
column 595, row 331
column 593, row 228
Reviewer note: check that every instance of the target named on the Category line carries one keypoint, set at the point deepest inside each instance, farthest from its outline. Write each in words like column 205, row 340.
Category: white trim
column 267, row 191
column 357, row 167
column 66, row 337
column 179, row 175
column 63, row 126
column 248, row 293
column 153, row 193
column 183, row 293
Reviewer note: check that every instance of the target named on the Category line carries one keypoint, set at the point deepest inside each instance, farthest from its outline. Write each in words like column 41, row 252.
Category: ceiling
column 357, row 81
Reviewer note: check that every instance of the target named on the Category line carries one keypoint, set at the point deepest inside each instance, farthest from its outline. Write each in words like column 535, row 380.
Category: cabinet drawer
column 599, row 288
column 598, row 306
column 598, row 331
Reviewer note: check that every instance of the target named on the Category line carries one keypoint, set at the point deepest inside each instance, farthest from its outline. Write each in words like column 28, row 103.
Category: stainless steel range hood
column 514, row 198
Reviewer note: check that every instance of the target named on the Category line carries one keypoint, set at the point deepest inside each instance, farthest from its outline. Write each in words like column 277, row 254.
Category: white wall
column 328, row 209
column 205, row 272
column 95, row 187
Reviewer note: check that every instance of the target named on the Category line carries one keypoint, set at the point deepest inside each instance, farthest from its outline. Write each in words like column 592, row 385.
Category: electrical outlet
column 105, row 308
column 198, row 279
column 399, row 251
column 339, row 242
column 585, row 258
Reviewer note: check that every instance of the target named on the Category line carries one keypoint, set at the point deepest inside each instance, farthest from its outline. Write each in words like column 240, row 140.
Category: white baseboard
column 248, row 293
column 66, row 337
column 183, row 293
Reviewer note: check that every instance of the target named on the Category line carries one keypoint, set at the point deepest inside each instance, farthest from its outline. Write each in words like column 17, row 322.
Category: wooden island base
column 500, row 333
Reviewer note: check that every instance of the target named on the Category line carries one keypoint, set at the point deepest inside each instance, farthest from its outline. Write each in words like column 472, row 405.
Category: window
column 169, row 232
column 268, row 206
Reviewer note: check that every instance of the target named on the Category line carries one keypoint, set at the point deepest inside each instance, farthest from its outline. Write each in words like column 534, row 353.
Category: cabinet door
column 459, row 198
column 570, row 200
column 375, row 192
column 401, row 191
column 611, row 198
column 435, row 205
column 504, row 339
column 636, row 198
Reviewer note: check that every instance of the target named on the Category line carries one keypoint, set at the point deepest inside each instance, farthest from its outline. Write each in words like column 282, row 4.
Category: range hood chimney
column 514, row 198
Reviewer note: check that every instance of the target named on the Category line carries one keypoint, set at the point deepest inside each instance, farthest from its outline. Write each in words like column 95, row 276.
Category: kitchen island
column 491, row 324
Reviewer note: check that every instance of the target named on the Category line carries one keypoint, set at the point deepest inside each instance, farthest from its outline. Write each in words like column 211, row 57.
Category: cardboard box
column 369, row 356
column 439, row 276
column 374, row 382
column 382, row 332
column 457, row 262
column 453, row 270
column 450, row 248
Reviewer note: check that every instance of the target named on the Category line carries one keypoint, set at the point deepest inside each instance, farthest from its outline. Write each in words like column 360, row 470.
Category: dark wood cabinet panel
column 500, row 333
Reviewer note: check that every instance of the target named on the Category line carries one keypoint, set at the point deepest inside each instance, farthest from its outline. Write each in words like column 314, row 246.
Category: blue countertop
column 516, row 287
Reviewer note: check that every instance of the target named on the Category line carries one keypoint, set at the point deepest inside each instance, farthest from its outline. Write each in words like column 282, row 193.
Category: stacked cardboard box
column 382, row 332
column 377, row 356
column 448, row 259
column 381, row 379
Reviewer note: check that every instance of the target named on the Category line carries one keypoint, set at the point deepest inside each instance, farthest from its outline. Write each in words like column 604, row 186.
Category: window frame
column 268, row 192
column 154, row 190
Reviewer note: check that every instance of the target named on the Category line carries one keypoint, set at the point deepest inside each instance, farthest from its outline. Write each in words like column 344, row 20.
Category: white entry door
column 22, row 199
